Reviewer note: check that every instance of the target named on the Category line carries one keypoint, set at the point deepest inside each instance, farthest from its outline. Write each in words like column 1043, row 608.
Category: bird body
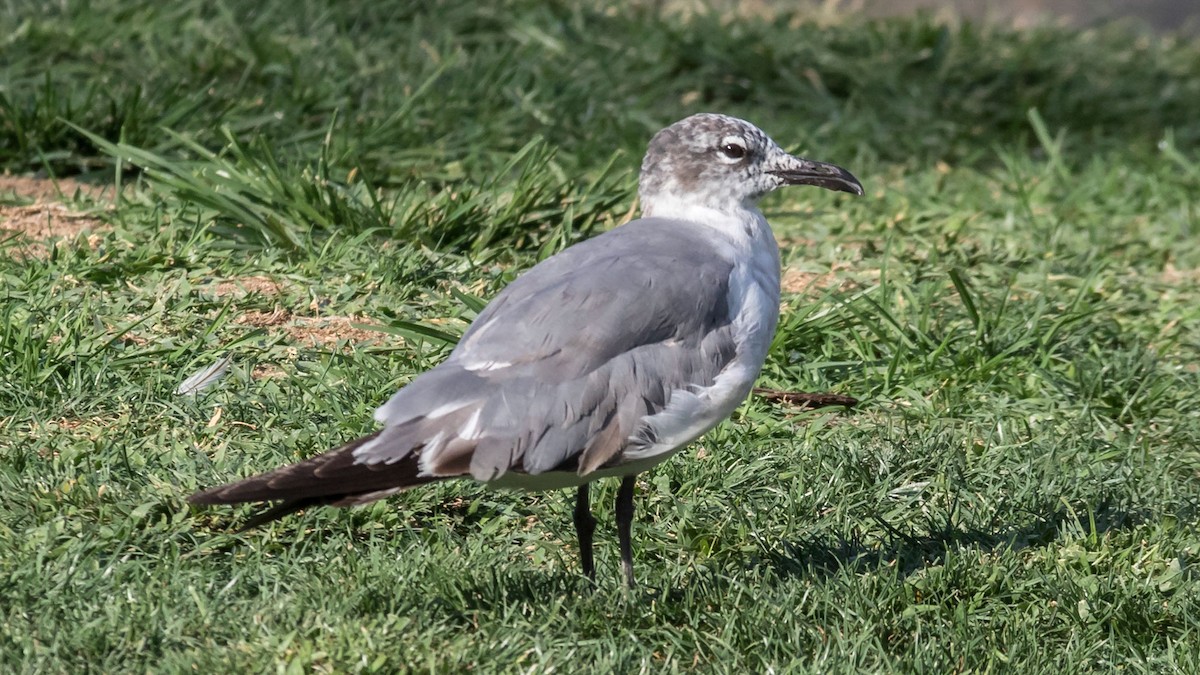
column 600, row 361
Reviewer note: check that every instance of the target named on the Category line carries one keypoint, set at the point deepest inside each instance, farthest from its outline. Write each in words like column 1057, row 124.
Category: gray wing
column 561, row 368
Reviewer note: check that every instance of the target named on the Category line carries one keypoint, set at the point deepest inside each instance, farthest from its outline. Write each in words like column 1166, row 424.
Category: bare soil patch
column 268, row 371
column 253, row 285
column 318, row 331
column 35, row 209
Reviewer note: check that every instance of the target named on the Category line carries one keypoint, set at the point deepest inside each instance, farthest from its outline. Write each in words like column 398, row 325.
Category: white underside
column 554, row 480
column 754, row 301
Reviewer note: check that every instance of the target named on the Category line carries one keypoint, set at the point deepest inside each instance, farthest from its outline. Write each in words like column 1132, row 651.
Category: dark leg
column 585, row 525
column 624, row 521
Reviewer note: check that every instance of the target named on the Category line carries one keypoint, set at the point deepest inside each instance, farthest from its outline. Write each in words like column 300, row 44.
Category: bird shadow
column 911, row 551
column 817, row 557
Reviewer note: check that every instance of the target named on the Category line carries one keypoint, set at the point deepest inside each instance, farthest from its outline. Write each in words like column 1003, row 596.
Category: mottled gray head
column 726, row 164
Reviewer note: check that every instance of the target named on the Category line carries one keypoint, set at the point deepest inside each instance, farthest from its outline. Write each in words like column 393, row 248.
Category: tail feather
column 335, row 477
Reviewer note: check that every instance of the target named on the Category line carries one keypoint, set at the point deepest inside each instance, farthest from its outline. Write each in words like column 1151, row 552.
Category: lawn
column 325, row 192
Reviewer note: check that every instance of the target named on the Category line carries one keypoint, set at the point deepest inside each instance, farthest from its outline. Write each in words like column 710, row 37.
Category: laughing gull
column 602, row 360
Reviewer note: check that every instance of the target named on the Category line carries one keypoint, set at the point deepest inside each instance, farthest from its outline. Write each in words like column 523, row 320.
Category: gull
column 600, row 361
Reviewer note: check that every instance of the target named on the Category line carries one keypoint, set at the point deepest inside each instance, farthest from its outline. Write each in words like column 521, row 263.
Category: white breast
column 754, row 301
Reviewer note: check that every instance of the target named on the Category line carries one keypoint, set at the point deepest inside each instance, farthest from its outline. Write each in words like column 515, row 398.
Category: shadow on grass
column 910, row 552
column 459, row 597
column 812, row 558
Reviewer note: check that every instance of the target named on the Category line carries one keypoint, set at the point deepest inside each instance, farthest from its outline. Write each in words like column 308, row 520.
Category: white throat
column 740, row 223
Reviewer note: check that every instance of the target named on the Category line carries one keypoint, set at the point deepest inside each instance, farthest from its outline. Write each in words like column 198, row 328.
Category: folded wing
column 558, row 373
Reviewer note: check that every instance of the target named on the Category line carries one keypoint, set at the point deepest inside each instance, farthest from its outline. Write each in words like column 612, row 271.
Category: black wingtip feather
column 326, row 474
column 325, row 479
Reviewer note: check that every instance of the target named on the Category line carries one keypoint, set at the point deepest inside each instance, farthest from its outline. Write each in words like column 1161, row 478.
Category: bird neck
column 742, row 222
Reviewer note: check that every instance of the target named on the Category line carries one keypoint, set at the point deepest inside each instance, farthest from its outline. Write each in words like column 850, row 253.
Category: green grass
column 1016, row 301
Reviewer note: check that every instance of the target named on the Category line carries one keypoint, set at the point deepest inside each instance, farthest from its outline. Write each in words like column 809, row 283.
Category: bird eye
column 733, row 151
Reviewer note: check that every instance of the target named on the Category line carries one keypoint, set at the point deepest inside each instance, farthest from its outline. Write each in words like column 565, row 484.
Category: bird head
column 726, row 164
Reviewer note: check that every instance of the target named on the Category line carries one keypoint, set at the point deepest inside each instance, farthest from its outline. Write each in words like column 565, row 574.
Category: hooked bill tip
column 822, row 175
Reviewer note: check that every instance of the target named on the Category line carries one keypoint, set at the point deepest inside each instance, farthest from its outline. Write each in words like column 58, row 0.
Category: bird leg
column 585, row 525
column 624, row 521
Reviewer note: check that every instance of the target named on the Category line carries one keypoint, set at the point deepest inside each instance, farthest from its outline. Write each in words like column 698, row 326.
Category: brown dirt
column 47, row 190
column 267, row 371
column 319, row 331
column 243, row 286
column 38, row 212
column 278, row 317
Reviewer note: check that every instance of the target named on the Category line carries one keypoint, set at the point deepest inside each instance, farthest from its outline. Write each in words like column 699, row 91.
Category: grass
column 1016, row 301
